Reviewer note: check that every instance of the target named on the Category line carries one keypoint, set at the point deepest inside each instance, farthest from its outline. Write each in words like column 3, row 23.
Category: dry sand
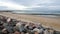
column 47, row 22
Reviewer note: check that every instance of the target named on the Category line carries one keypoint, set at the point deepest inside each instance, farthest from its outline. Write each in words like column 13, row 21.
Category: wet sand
column 47, row 22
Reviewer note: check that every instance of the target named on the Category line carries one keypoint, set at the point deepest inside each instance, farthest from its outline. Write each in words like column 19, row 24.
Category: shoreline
column 38, row 19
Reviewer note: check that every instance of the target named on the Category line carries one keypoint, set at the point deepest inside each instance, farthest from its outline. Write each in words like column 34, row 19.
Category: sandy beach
column 47, row 22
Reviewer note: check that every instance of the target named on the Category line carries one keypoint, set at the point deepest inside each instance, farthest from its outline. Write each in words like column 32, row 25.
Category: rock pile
column 12, row 26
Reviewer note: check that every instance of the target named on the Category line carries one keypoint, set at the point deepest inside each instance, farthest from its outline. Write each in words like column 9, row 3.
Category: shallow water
column 56, row 14
column 36, row 12
column 51, row 16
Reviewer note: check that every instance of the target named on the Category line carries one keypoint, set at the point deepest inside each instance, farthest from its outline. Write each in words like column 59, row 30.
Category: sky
column 42, row 5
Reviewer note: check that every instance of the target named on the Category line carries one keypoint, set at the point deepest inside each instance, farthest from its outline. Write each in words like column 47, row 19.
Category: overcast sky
column 30, row 5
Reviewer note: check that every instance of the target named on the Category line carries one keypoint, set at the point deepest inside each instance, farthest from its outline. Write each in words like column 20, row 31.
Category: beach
column 45, row 21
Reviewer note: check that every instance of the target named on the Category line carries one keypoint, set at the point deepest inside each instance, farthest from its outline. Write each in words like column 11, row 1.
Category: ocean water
column 37, row 12
column 40, row 13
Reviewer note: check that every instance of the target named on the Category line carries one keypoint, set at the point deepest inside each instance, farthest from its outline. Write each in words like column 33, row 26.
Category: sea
column 52, row 14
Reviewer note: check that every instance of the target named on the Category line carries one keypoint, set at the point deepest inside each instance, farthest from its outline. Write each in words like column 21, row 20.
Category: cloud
column 31, row 4
column 13, row 6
